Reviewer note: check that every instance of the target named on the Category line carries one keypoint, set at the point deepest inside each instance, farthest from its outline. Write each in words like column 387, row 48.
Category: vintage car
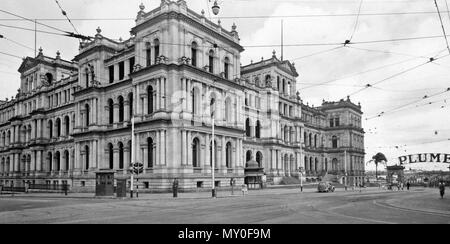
column 325, row 187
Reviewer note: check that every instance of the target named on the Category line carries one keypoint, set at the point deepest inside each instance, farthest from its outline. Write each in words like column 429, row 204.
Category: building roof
column 284, row 65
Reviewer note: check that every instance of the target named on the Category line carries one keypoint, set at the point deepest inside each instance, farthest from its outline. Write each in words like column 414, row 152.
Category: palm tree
column 378, row 158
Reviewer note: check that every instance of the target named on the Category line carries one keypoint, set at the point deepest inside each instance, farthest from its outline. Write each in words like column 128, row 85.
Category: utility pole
column 345, row 169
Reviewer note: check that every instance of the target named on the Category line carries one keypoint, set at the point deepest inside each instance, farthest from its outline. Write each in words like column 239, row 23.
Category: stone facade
column 72, row 119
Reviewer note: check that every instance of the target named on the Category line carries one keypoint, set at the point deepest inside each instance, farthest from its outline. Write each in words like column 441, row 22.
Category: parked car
column 325, row 187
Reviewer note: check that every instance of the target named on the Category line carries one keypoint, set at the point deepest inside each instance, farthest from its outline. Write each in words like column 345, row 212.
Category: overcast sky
column 411, row 130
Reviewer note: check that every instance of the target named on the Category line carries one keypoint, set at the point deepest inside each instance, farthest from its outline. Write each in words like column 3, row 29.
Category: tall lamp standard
column 213, row 156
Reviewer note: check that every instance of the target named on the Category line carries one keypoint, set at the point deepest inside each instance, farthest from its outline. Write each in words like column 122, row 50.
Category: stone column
column 116, row 113
column 158, row 93
column 126, row 110
column 95, row 154
column 183, row 148
column 126, row 161
column 163, row 147
column 158, row 148
column 127, row 68
column 116, row 158
column 223, row 158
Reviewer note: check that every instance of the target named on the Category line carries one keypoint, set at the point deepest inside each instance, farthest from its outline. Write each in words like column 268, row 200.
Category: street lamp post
column 212, row 150
column 132, row 157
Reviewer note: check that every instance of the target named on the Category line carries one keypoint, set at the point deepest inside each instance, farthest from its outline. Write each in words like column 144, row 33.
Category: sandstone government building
column 71, row 119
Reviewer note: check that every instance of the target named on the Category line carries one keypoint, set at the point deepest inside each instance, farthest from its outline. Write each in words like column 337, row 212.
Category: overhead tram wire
column 398, row 74
column 15, row 42
column 66, row 33
column 426, row 97
column 252, row 17
column 67, row 17
column 11, row 55
column 442, row 25
column 356, row 23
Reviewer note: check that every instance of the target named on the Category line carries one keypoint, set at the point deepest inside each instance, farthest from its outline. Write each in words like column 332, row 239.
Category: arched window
column 50, row 162
column 58, row 127
column 150, row 152
column 148, row 54
column 87, row 109
column 111, row 111
column 334, row 141
column 67, row 125
column 87, row 77
column 226, row 70
column 58, row 161
column 310, row 140
column 86, row 154
column 121, row 109
column 259, row 158
column 316, row 164
column 326, row 164
column 284, row 86
column 278, row 83
column 66, row 159
column 194, row 54
column 211, row 61
column 121, row 156
column 315, row 140
column 196, row 153
column 248, row 156
column 150, row 99
column 334, row 164
column 49, row 78
column 305, row 138
column 130, row 102
column 311, row 166
column 286, row 133
column 258, row 129
column 228, row 155
column 305, row 161
column 247, row 128
column 50, row 128
column 156, row 43
column 111, row 155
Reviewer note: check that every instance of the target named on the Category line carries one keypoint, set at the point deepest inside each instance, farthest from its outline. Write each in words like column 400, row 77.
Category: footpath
column 221, row 193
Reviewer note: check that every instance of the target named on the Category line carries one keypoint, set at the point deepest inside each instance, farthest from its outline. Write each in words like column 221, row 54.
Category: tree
column 378, row 158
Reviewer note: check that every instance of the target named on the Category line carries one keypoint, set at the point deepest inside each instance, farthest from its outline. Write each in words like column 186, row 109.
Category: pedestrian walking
column 408, row 185
column 244, row 189
column 175, row 188
column 442, row 189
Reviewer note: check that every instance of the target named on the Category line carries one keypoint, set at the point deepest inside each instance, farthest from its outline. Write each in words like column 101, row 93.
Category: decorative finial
column 262, row 58
column 58, row 54
column 274, row 53
column 120, row 39
column 251, row 61
column 40, row 50
column 293, row 63
column 233, row 27
column 219, row 22
column 142, row 7
column 99, row 30
column 203, row 12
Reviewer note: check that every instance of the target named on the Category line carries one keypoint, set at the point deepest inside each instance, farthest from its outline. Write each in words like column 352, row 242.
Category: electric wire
column 357, row 21
column 442, row 25
column 67, row 17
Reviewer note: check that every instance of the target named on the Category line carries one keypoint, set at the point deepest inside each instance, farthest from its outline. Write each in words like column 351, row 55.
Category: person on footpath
column 442, row 189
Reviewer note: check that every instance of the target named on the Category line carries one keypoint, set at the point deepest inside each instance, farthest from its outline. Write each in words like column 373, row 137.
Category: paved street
column 271, row 206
